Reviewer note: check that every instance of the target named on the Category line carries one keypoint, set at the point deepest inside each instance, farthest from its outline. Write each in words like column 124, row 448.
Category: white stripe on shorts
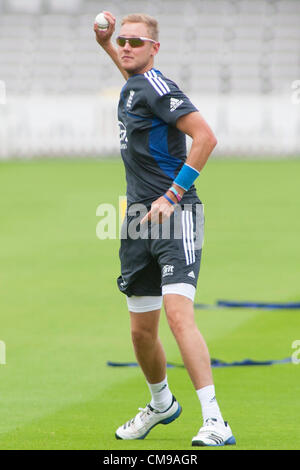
column 192, row 238
column 188, row 236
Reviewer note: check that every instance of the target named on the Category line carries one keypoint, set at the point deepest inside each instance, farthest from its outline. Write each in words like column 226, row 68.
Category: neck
column 141, row 71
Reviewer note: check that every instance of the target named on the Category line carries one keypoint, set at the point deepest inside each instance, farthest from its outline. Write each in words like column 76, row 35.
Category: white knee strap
column 187, row 290
column 144, row 303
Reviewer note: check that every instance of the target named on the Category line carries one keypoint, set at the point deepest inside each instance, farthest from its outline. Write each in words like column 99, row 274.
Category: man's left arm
column 203, row 144
column 204, row 141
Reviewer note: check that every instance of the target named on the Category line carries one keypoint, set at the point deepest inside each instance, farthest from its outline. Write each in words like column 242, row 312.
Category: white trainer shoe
column 214, row 433
column 146, row 419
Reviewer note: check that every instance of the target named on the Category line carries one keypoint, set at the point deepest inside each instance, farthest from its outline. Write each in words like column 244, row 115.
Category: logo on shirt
column 174, row 104
column 168, row 270
column 129, row 102
column 123, row 136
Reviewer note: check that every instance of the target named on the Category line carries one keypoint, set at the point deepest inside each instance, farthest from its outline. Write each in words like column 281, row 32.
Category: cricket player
column 154, row 118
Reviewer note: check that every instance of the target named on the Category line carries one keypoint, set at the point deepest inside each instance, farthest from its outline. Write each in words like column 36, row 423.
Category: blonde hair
column 148, row 20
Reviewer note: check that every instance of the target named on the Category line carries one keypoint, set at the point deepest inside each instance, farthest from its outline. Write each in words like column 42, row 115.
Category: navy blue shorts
column 168, row 253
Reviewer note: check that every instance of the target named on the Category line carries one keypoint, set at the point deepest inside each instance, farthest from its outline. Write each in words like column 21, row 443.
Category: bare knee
column 143, row 337
column 180, row 320
column 176, row 323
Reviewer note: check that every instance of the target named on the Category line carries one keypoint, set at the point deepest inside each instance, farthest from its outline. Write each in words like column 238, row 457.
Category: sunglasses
column 133, row 42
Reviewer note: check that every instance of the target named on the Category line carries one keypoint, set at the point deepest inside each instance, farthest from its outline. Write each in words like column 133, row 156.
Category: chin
column 131, row 71
column 134, row 70
column 129, row 68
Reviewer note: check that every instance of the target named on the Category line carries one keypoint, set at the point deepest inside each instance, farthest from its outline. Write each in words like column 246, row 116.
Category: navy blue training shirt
column 152, row 148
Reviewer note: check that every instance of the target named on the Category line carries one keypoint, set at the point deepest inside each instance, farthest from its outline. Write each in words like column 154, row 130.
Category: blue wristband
column 176, row 193
column 186, row 177
column 169, row 199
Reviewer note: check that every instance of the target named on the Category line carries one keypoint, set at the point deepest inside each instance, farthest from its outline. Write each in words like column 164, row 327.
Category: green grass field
column 62, row 317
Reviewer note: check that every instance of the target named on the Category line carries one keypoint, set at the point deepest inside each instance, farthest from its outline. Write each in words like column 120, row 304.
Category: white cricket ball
column 102, row 22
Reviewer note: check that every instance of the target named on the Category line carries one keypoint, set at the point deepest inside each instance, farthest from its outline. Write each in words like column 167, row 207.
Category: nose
column 127, row 46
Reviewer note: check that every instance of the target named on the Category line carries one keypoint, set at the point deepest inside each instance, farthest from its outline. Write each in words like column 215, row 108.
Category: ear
column 155, row 48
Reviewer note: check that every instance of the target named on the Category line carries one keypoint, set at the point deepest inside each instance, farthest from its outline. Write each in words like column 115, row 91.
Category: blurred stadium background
column 237, row 59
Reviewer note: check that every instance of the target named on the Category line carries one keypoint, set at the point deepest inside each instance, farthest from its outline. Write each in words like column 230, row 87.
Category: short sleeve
column 165, row 99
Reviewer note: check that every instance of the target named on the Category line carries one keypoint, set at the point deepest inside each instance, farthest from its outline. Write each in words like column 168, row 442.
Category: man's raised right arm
column 104, row 39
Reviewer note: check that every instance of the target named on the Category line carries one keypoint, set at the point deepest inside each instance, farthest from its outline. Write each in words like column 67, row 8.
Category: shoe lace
column 210, row 421
column 144, row 414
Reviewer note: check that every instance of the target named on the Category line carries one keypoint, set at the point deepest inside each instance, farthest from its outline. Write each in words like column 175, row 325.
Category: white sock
column 161, row 395
column 209, row 404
